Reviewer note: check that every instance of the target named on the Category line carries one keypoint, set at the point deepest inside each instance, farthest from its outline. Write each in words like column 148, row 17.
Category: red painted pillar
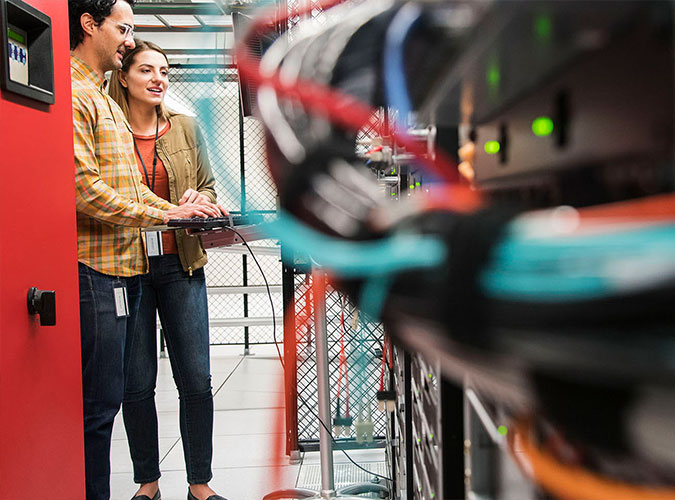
column 41, row 441
column 290, row 354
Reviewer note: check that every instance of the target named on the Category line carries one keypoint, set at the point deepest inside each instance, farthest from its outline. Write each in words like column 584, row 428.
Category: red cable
column 384, row 363
column 341, row 109
column 342, row 349
column 347, row 112
column 344, row 355
column 390, row 352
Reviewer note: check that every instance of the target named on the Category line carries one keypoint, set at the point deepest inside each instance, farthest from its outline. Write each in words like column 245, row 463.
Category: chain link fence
column 363, row 349
column 363, row 338
column 237, row 153
column 295, row 7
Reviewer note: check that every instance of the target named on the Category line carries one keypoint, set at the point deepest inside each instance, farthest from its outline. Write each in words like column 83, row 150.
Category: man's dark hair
column 99, row 10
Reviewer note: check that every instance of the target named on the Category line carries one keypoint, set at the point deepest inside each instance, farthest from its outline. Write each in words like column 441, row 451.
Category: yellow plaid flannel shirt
column 112, row 202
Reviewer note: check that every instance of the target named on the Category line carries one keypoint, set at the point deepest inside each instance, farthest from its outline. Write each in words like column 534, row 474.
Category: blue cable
column 396, row 88
column 376, row 288
column 394, row 65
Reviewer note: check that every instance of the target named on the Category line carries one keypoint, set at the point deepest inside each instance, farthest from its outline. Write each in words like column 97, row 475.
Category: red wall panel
column 41, row 443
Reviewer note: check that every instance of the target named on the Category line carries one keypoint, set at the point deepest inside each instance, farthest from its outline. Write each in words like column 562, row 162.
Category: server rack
column 426, row 431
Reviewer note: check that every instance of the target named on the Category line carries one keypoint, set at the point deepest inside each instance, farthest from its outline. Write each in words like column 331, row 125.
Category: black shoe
column 212, row 497
column 157, row 496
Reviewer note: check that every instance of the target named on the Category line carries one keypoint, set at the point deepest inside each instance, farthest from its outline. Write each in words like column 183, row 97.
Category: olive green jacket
column 183, row 151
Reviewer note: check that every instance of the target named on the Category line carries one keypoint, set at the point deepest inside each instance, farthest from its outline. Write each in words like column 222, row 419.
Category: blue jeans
column 181, row 302
column 103, row 337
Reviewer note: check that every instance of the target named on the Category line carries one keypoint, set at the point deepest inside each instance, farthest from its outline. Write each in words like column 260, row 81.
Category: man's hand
column 189, row 210
column 192, row 196
column 223, row 210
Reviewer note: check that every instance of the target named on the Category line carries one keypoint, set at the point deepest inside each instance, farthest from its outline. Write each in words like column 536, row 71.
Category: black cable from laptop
column 269, row 294
column 330, row 433
column 274, row 335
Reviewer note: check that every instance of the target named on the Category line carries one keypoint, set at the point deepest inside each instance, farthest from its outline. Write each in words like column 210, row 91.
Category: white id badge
column 121, row 301
column 153, row 243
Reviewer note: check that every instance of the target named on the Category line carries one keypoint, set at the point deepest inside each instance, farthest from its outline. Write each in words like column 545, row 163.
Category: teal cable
column 573, row 268
column 349, row 259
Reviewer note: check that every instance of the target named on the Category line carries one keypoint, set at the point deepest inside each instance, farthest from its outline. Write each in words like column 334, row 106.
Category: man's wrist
column 166, row 216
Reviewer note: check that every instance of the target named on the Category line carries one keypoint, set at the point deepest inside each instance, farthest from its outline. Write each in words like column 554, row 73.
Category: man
column 112, row 205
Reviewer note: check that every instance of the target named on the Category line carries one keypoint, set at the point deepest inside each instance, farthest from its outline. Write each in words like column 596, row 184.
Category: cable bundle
column 571, row 298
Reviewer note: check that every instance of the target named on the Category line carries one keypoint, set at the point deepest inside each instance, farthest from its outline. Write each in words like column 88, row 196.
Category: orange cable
column 572, row 482
column 655, row 208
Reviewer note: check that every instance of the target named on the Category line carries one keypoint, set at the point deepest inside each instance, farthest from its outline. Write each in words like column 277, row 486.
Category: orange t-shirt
column 145, row 144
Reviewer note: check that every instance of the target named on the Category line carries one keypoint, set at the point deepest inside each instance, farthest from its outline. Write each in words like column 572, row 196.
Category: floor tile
column 122, row 486
column 359, row 456
column 247, row 400
column 245, row 450
column 245, row 379
column 256, row 421
column 249, row 419
column 259, row 364
column 225, row 365
column 253, row 483
column 247, row 483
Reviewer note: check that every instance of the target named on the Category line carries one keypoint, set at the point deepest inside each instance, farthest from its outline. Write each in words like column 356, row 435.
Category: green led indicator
column 393, row 194
column 503, row 430
column 412, row 186
column 433, row 495
column 431, row 375
column 542, row 126
column 393, row 171
column 418, row 184
column 431, row 436
column 419, row 440
column 493, row 75
column 543, row 27
column 492, row 147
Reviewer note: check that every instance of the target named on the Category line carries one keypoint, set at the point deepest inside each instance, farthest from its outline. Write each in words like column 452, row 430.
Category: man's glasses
column 126, row 30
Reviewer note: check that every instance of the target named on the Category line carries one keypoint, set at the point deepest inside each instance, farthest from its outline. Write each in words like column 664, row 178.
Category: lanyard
column 154, row 160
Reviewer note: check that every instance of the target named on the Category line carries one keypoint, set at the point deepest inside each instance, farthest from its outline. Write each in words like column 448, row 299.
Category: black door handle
column 43, row 302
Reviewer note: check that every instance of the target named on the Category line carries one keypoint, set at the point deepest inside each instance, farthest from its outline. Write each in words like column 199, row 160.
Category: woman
column 172, row 158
